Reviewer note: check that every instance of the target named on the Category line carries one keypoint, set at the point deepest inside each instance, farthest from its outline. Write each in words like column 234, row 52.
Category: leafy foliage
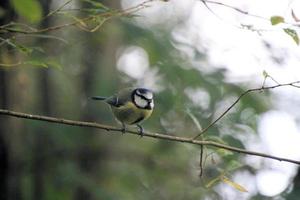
column 276, row 20
column 293, row 34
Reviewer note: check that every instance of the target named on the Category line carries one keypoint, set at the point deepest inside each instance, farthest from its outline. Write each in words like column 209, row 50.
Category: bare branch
column 206, row 2
column 231, row 7
column 106, row 15
column 57, row 9
column 240, row 97
column 10, row 64
column 146, row 133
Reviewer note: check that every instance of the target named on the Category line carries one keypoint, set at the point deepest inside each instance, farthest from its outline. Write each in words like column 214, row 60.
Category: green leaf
column 212, row 182
column 96, row 4
column 233, row 165
column 31, row 10
column 276, row 20
column 21, row 48
column 54, row 64
column 195, row 120
column 43, row 63
column 293, row 34
column 24, row 49
column 36, row 63
column 224, row 152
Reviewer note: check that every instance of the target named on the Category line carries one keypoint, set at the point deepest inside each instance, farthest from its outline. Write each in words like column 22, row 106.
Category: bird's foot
column 123, row 129
column 141, row 130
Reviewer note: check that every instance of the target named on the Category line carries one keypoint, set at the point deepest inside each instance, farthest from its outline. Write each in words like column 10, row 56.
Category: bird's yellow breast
column 130, row 114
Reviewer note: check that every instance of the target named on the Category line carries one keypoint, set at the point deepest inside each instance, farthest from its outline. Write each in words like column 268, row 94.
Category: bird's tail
column 98, row 98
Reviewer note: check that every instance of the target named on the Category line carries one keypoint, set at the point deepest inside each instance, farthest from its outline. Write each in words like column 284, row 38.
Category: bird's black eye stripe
column 143, row 97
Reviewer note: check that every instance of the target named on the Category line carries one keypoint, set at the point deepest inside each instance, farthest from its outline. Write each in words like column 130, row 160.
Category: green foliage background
column 54, row 73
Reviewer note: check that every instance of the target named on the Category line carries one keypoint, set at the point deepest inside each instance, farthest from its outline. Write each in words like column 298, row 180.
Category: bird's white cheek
column 140, row 102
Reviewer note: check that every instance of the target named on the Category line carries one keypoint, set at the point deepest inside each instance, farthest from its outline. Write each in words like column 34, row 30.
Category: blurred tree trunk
column 7, row 176
column 39, row 162
column 95, row 69
column 41, row 140
column 3, row 145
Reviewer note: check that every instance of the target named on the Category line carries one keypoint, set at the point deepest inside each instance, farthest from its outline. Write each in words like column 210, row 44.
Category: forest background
column 55, row 55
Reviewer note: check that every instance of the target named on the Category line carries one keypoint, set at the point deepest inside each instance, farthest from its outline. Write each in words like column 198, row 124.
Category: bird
column 130, row 106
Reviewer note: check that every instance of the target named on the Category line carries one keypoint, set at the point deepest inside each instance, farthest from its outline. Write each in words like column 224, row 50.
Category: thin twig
column 11, row 64
column 108, row 15
column 240, row 97
column 57, row 9
column 231, row 7
column 136, row 8
column 146, row 134
column 205, row 2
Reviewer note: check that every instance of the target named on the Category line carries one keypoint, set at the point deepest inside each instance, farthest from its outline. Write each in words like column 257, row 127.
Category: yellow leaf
column 276, row 20
column 233, row 184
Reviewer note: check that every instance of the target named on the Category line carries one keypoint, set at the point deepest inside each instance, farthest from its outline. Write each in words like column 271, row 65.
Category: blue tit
column 130, row 106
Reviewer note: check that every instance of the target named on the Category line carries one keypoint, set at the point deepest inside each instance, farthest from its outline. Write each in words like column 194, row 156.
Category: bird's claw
column 123, row 129
column 141, row 130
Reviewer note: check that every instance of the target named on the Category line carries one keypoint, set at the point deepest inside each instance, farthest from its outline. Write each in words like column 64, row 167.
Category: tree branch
column 231, row 7
column 107, row 15
column 146, row 133
column 206, row 2
column 292, row 84
column 26, row 29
